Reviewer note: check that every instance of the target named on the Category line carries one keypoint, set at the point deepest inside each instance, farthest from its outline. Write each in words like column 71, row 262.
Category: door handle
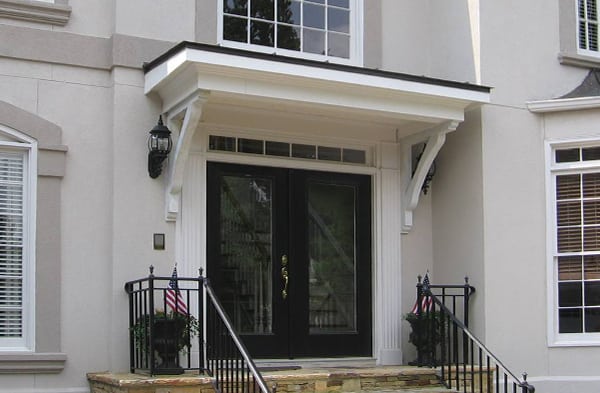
column 285, row 276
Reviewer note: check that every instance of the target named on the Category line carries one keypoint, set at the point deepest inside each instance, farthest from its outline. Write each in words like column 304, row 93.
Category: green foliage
column 184, row 328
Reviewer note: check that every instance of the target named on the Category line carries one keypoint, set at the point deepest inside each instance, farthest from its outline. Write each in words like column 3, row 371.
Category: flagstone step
column 333, row 379
column 302, row 380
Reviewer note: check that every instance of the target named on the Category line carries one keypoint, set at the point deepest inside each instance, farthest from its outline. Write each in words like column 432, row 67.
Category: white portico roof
column 192, row 75
column 260, row 80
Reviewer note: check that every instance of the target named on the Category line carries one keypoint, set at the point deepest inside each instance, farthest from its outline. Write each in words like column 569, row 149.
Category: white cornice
column 36, row 11
column 564, row 104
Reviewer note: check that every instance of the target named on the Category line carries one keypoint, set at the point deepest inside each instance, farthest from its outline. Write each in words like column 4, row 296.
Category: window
column 318, row 29
column 576, row 191
column 285, row 149
column 587, row 29
column 16, row 273
column 32, row 161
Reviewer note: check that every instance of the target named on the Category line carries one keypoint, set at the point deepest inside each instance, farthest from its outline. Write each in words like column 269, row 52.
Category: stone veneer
column 327, row 380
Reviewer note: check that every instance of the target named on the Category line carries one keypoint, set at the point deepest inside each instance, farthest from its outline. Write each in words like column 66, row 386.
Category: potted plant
column 425, row 336
column 171, row 333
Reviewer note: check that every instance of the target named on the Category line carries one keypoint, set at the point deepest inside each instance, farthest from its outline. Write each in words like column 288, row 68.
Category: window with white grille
column 15, row 299
column 587, row 29
column 315, row 29
column 576, row 189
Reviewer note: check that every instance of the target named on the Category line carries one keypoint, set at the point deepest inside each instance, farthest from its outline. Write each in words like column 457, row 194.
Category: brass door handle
column 285, row 276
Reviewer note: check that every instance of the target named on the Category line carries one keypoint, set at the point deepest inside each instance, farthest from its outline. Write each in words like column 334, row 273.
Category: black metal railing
column 162, row 341
column 454, row 297
column 464, row 361
column 193, row 339
column 227, row 359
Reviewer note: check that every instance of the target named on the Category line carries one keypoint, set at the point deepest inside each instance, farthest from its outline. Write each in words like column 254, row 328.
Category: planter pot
column 168, row 341
column 425, row 338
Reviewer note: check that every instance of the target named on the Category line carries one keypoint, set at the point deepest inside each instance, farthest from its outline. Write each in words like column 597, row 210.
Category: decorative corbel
column 192, row 117
column 434, row 142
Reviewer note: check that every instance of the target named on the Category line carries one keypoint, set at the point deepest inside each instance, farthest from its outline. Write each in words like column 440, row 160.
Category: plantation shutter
column 11, row 244
column 588, row 24
column 578, row 212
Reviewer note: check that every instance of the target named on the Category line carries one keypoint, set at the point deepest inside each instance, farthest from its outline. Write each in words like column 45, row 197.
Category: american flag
column 426, row 301
column 173, row 296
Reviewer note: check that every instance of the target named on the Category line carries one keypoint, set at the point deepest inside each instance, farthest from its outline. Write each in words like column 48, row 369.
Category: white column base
column 389, row 357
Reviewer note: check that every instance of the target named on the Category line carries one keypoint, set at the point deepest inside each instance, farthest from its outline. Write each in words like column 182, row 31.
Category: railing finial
column 151, row 268
column 419, row 278
column 200, row 272
column 466, row 280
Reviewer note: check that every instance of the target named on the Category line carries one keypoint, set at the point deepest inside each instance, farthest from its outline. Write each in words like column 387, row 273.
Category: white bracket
column 435, row 138
column 192, row 117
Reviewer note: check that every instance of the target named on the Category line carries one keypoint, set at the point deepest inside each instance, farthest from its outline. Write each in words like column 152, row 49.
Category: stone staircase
column 328, row 379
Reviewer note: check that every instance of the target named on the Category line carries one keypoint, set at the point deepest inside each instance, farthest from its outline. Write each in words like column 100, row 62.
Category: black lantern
column 159, row 147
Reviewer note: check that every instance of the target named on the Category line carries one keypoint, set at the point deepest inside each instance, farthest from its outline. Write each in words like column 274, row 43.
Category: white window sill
column 36, row 11
column 577, row 340
column 32, row 363
column 579, row 59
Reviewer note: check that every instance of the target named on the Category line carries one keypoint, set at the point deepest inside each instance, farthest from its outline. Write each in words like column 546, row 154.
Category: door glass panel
column 246, row 239
column 332, row 258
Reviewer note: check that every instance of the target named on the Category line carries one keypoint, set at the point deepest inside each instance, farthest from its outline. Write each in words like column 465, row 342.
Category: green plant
column 181, row 327
column 426, row 335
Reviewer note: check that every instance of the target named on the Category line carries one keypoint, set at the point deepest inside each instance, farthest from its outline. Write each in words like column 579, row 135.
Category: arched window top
column 28, row 127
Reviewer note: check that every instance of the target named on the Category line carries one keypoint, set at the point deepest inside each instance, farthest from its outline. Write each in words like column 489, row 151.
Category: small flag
column 173, row 296
column 426, row 301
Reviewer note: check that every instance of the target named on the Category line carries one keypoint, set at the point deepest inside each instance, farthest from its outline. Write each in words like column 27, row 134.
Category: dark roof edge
column 147, row 67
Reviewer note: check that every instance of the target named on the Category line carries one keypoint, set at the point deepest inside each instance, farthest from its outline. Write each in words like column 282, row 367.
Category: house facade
column 303, row 132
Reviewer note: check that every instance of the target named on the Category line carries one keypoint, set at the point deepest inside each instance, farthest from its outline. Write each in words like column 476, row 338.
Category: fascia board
column 243, row 75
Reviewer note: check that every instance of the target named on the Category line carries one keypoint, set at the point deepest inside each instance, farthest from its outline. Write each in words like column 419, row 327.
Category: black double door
column 289, row 256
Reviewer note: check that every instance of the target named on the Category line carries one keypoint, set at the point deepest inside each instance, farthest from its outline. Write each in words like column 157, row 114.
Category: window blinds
column 588, row 24
column 11, row 244
column 578, row 246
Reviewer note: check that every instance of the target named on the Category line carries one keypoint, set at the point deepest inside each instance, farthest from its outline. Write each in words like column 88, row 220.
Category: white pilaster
column 388, row 269
column 191, row 225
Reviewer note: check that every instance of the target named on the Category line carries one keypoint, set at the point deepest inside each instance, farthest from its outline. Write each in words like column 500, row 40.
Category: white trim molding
column 563, row 104
column 36, row 11
column 29, row 363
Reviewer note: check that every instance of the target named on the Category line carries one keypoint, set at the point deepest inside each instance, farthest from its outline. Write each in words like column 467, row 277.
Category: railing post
column 201, row 322
column 525, row 386
column 129, row 290
column 466, row 294
column 419, row 333
column 151, row 313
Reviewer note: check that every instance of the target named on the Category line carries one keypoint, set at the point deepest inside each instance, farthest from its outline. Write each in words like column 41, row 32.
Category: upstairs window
column 587, row 30
column 314, row 29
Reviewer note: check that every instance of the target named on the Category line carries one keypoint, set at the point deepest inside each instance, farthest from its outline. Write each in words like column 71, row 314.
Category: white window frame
column 28, row 147
column 356, row 39
column 582, row 51
column 556, row 339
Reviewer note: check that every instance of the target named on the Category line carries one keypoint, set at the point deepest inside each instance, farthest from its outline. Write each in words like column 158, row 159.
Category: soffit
column 268, row 82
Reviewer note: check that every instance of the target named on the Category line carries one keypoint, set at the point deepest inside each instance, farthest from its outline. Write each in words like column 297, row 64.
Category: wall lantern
column 159, row 147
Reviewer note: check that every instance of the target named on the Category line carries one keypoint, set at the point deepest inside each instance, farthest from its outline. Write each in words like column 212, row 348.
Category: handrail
column 447, row 328
column 228, row 376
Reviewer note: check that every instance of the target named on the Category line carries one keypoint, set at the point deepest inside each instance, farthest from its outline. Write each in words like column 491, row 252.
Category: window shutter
column 11, row 244
column 588, row 24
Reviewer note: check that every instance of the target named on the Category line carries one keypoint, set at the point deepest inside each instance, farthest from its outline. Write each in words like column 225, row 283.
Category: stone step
column 378, row 379
column 343, row 379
